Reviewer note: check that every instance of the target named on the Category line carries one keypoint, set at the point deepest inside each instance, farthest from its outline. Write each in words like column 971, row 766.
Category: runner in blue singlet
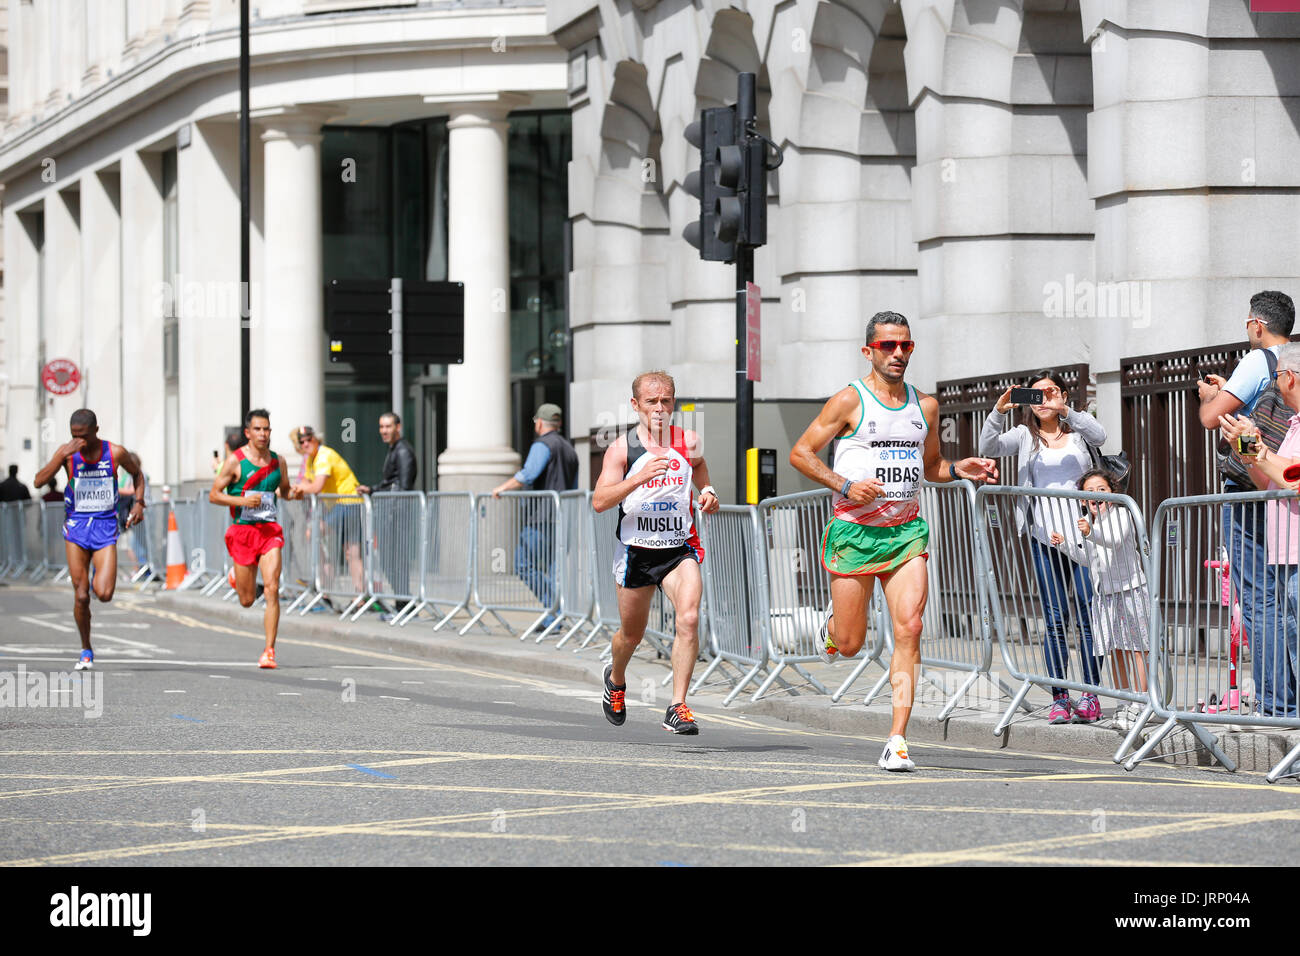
column 90, row 508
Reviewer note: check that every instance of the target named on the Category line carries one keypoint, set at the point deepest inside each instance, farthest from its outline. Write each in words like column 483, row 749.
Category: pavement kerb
column 1254, row 752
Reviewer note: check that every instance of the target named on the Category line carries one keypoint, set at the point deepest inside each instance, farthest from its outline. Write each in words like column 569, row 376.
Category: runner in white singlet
column 889, row 442
column 648, row 473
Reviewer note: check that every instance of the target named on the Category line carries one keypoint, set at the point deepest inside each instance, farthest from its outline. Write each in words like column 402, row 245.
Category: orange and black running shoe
column 613, row 703
column 680, row 720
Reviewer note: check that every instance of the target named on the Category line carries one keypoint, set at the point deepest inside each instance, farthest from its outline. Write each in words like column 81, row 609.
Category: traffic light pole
column 744, row 387
column 746, row 117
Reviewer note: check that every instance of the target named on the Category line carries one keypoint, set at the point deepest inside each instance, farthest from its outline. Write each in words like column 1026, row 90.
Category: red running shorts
column 248, row 542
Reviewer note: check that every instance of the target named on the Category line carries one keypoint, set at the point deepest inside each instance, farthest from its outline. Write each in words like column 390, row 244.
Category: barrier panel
column 735, row 593
column 448, row 556
column 1068, row 609
column 11, row 533
column 216, row 559
column 297, row 565
column 1227, row 665
column 576, row 597
column 517, row 557
column 190, row 516
column 155, row 534
column 56, row 555
column 33, row 538
column 398, row 525
column 340, row 529
column 798, row 587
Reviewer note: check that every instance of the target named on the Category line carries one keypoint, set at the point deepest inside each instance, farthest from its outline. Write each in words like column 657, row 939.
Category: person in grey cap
column 551, row 465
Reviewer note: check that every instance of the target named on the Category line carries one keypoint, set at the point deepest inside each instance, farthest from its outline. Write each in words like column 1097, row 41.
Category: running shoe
column 87, row 660
column 267, row 659
column 612, row 702
column 895, row 755
column 1062, row 708
column 1125, row 716
column 680, row 720
column 826, row 649
column 1088, row 711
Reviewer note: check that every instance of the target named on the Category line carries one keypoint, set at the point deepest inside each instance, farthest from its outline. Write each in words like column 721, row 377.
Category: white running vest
column 888, row 446
column 657, row 514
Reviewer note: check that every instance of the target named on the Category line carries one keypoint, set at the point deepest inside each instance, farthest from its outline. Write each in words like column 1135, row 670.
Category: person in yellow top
column 325, row 472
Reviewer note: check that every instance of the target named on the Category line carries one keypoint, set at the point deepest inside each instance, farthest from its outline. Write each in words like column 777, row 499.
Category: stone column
column 289, row 331
column 144, row 293
column 101, row 274
column 478, row 454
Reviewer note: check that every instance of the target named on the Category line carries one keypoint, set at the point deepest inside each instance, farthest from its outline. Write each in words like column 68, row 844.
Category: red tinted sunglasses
column 889, row 345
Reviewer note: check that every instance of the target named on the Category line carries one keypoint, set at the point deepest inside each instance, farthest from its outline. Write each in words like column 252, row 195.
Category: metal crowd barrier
column 517, row 560
column 297, row 564
column 155, row 533
column 190, row 515
column 735, row 591
column 216, row 559
column 56, row 555
column 449, row 547
column 1192, row 631
column 398, row 524
column 577, row 600
column 340, row 528
column 798, row 588
column 1048, row 631
column 11, row 538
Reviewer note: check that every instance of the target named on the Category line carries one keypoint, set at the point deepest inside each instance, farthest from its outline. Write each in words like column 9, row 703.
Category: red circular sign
column 60, row 377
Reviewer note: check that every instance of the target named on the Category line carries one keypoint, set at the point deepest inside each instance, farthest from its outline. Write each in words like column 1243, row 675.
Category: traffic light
column 731, row 185
column 714, row 132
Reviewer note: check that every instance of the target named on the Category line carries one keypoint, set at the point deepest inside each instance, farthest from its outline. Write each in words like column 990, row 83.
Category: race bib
column 93, row 494
column 263, row 512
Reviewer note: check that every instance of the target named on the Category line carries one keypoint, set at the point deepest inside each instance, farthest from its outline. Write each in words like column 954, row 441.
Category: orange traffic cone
column 175, row 554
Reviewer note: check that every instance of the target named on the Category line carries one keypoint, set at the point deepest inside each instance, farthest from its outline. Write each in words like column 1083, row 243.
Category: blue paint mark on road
column 373, row 773
column 193, row 720
column 673, row 863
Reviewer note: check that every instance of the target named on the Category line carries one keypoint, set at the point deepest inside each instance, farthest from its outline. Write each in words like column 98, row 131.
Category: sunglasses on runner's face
column 889, row 345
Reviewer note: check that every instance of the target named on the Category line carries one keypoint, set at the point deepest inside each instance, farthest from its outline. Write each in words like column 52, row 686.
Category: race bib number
column 262, row 512
column 93, row 494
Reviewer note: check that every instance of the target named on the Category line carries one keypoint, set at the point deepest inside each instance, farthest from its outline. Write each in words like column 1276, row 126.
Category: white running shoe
column 895, row 755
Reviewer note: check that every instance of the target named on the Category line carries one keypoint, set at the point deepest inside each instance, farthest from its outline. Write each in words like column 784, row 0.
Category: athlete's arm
column 836, row 416
column 709, row 502
column 978, row 470
column 612, row 487
column 130, row 463
column 61, row 455
column 228, row 473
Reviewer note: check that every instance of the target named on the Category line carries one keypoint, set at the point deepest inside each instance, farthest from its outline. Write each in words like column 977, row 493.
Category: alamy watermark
column 1085, row 299
column 64, row 689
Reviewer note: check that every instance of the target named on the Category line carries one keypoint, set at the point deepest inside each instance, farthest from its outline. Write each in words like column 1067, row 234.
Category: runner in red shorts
column 250, row 478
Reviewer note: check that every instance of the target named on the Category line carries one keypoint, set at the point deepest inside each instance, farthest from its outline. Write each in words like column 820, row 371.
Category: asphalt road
column 350, row 756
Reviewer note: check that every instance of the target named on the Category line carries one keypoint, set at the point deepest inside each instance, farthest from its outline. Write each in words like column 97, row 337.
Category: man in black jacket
column 11, row 489
column 397, row 521
column 551, row 465
column 400, row 468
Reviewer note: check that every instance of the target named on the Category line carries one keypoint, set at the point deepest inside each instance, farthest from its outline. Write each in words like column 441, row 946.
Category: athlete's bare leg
column 105, row 583
column 683, row 587
column 79, row 571
column 246, row 583
column 906, row 591
column 851, row 602
column 633, row 613
column 270, row 565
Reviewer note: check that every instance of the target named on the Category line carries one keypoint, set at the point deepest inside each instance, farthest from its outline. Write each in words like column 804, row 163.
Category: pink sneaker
column 1088, row 711
column 1061, row 710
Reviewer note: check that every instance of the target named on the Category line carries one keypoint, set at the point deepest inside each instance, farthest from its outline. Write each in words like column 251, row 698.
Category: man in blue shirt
column 1268, row 326
column 551, row 465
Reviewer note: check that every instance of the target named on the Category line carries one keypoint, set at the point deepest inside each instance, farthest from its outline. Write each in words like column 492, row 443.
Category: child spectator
column 1121, row 603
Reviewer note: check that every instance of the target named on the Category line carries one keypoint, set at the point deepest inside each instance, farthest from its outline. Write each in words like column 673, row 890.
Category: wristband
column 708, row 490
column 952, row 471
column 844, row 489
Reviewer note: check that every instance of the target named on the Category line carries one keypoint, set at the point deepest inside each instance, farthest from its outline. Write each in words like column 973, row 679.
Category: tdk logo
column 659, row 506
column 102, row 909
